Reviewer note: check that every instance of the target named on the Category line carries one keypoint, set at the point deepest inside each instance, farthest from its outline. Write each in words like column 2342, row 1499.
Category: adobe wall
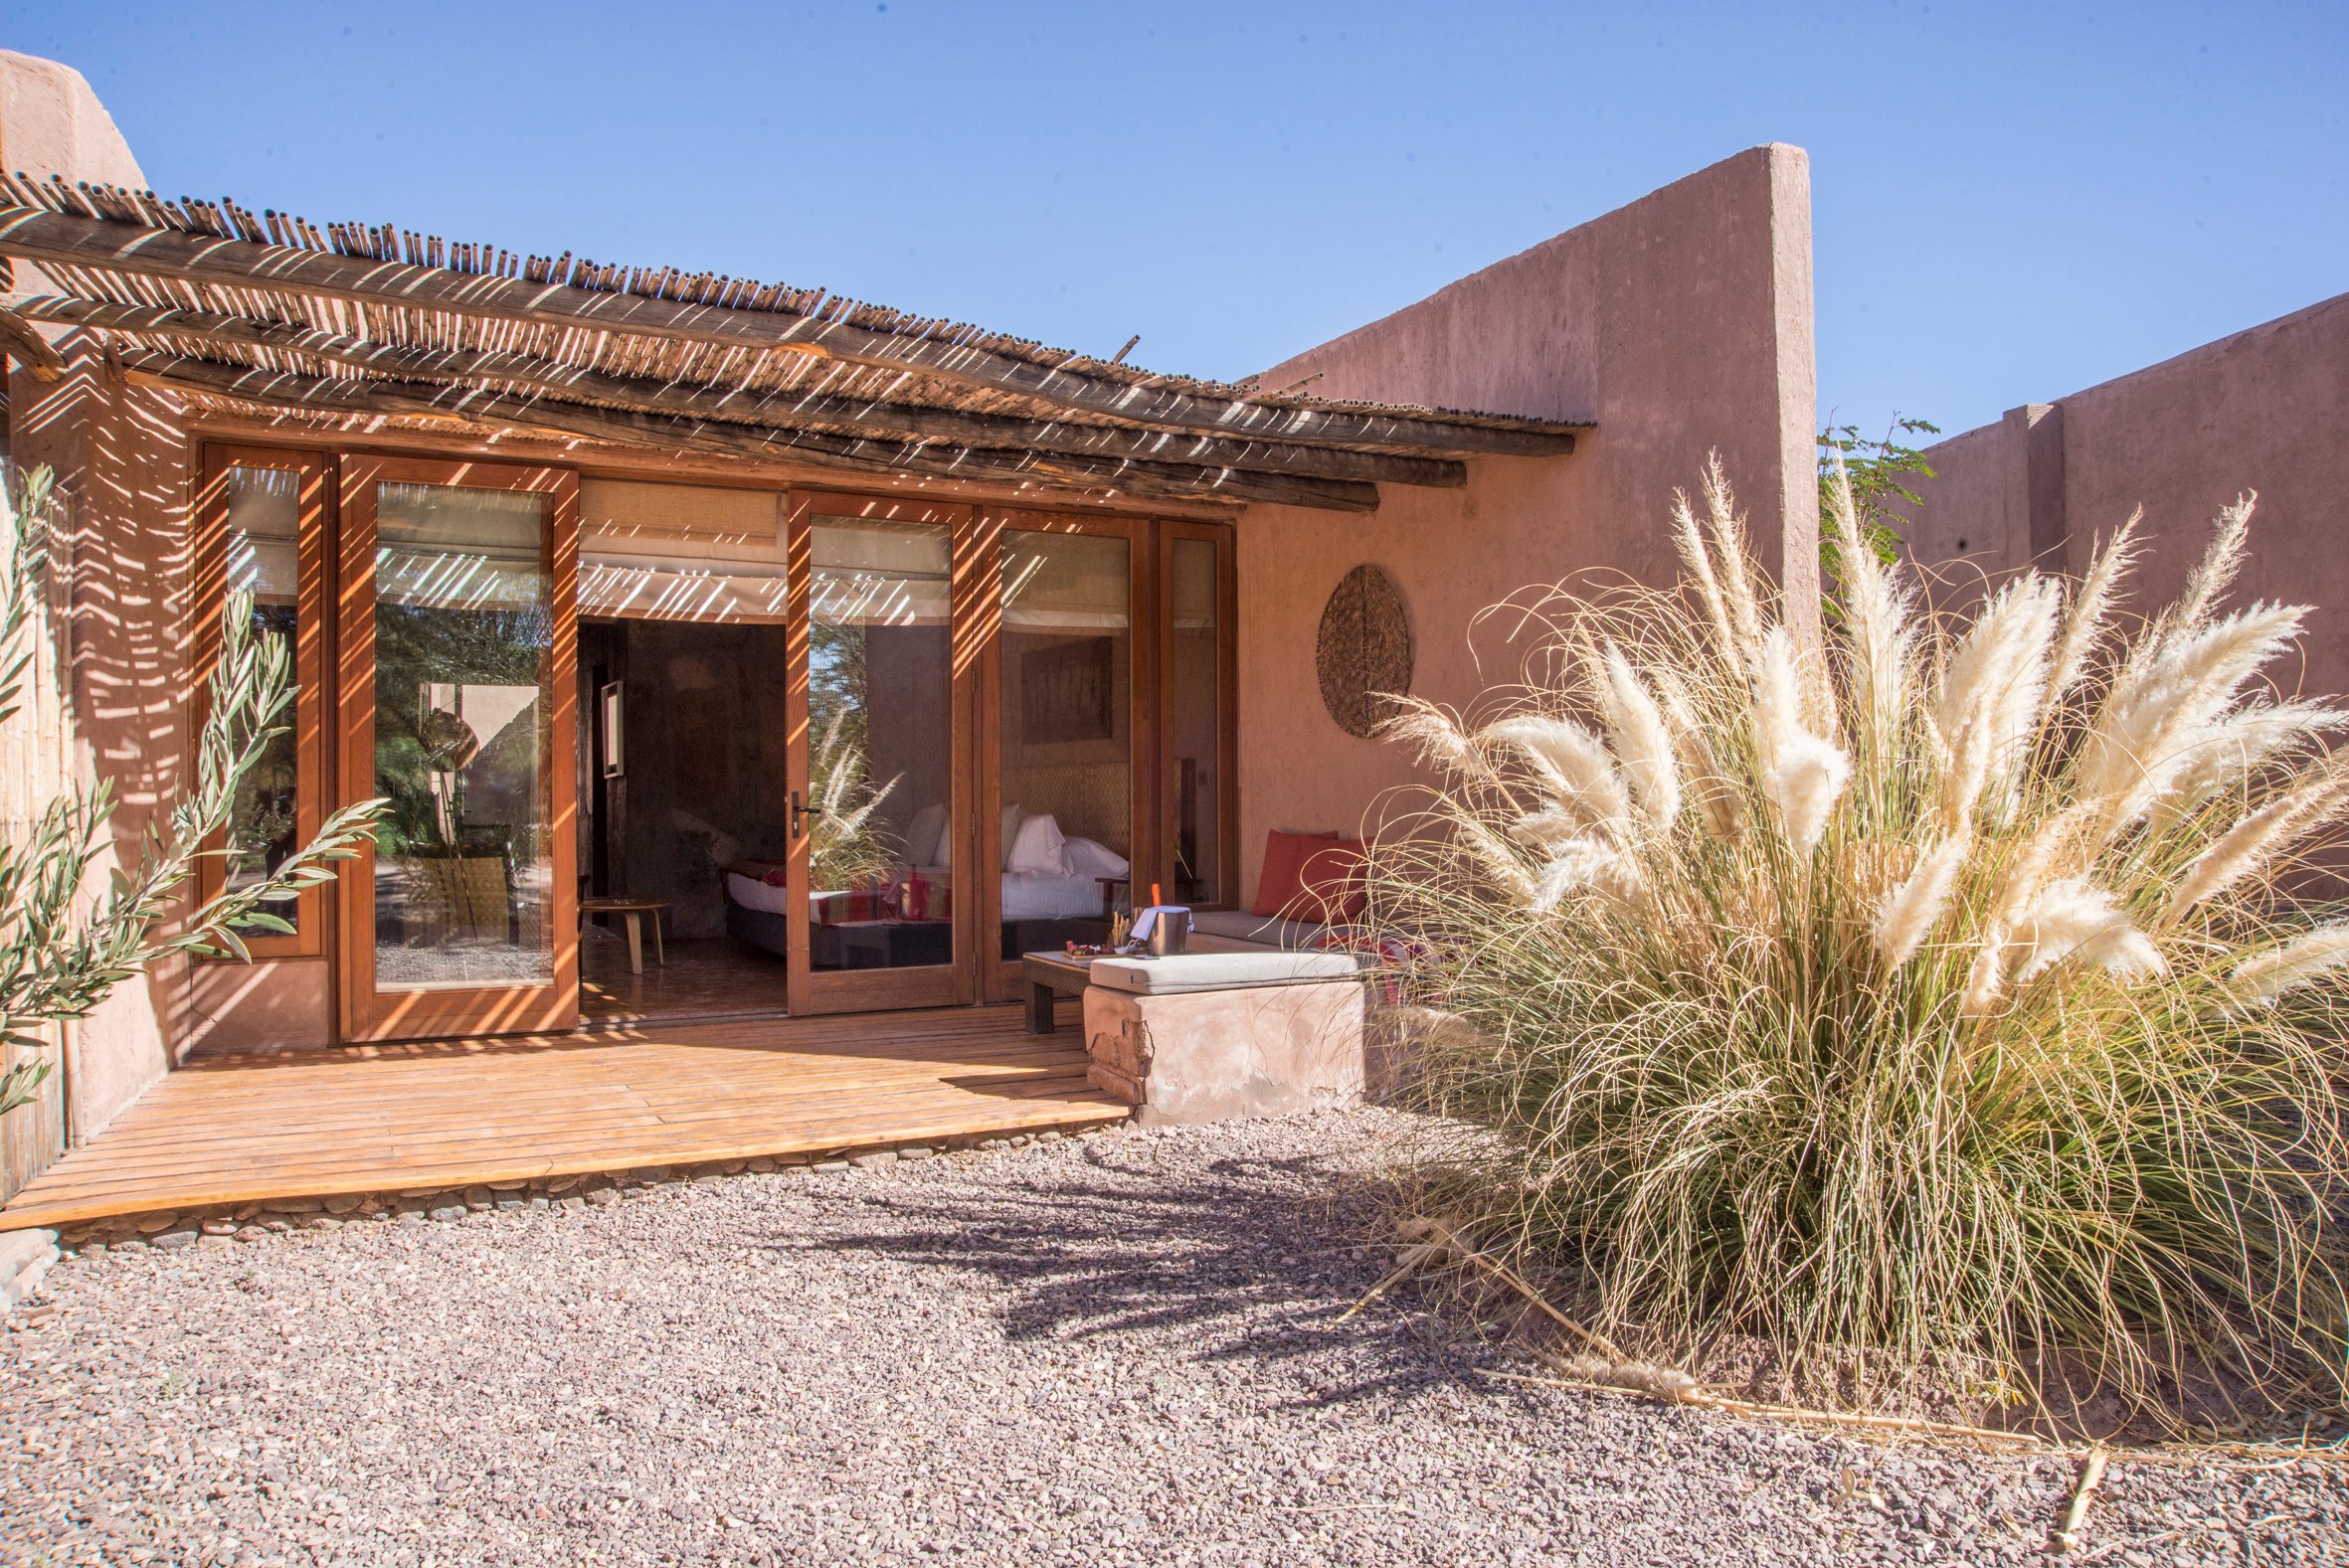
column 121, row 565
column 2265, row 410
column 1679, row 324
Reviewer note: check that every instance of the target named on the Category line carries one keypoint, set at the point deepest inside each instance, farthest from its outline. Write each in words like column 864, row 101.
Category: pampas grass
column 1901, row 988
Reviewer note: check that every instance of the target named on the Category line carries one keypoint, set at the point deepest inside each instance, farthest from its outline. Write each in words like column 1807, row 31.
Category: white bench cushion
column 1223, row 971
column 1237, row 924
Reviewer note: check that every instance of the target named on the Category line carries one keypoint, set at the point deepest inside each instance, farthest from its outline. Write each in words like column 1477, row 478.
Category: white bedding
column 1028, row 895
column 751, row 893
column 1035, row 895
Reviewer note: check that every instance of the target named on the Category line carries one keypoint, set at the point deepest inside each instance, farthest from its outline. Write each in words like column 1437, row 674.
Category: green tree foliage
column 60, row 954
column 1877, row 470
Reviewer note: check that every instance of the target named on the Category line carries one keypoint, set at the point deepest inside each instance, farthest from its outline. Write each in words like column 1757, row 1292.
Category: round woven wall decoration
column 1365, row 649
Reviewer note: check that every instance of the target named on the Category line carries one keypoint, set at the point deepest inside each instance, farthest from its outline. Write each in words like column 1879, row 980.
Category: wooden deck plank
column 393, row 1144
column 392, row 1118
column 327, row 1103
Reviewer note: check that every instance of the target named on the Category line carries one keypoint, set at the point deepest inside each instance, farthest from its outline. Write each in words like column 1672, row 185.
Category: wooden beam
column 661, row 431
column 38, row 235
column 782, row 409
column 219, row 419
column 18, row 338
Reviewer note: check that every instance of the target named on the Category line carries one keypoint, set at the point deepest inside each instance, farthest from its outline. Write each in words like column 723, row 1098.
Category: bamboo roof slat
column 482, row 404
column 650, row 387
column 698, row 359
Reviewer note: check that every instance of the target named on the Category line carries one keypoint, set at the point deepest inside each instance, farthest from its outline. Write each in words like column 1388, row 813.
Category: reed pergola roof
column 268, row 310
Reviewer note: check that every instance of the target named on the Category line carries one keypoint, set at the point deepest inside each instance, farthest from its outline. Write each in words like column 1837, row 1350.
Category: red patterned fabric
column 834, row 909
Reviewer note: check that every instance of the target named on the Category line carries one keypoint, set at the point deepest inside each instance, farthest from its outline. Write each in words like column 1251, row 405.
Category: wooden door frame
column 957, row 983
column 1227, row 703
column 366, row 1013
column 208, row 568
column 1003, row 980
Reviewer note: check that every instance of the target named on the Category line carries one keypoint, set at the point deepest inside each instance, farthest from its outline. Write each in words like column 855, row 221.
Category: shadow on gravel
column 1251, row 1259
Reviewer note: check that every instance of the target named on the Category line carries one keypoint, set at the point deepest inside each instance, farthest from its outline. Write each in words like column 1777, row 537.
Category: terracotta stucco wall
column 2265, row 410
column 124, row 467
column 1679, row 325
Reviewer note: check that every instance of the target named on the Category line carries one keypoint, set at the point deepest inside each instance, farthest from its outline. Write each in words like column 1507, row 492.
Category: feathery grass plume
column 1726, row 532
column 1811, row 1060
column 1687, row 537
column 1911, row 910
column 2231, row 749
column 2073, row 916
column 2221, row 564
column 1585, row 864
column 2303, row 960
column 1880, row 641
column 2083, row 624
column 1548, row 828
column 2254, row 843
column 1988, row 703
column 1717, row 797
column 1572, row 762
column 2017, row 882
column 1802, row 773
column 1640, row 739
column 2184, row 679
column 1436, row 736
column 1499, row 864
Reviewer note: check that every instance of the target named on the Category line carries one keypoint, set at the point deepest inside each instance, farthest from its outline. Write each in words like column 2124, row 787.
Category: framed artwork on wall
column 1065, row 692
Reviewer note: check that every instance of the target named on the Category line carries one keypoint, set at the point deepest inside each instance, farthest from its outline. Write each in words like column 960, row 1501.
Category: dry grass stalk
column 2091, row 1476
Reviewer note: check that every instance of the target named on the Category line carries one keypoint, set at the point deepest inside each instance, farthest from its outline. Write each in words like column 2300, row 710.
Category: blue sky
column 2012, row 202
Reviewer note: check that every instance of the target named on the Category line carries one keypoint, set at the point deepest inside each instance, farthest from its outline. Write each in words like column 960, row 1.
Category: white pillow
column 1012, row 818
column 1038, row 848
column 1088, row 857
column 922, row 839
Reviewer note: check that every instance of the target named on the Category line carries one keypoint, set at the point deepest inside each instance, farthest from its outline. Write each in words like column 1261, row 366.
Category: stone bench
column 1223, row 1036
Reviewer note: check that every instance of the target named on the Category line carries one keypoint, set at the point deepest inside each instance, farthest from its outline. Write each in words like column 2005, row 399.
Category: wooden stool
column 636, row 909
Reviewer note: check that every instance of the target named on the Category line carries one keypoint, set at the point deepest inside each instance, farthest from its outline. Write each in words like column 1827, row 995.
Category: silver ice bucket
column 1170, row 934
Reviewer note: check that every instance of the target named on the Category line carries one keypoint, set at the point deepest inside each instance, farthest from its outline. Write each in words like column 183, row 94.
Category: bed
column 1061, row 895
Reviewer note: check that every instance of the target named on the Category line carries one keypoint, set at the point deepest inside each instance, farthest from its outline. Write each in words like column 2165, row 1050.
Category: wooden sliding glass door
column 882, row 689
column 456, row 634
column 1070, row 732
column 998, row 726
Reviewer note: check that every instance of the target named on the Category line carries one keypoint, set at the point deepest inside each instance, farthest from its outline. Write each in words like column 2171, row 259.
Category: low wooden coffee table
column 1051, row 976
column 636, row 909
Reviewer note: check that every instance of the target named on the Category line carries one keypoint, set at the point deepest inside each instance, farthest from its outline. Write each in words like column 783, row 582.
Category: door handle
column 801, row 810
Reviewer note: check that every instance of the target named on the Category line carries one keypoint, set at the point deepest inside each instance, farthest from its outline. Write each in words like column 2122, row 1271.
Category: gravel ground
column 1122, row 1349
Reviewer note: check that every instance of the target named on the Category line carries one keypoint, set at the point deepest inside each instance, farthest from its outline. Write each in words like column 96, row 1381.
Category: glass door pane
column 1065, row 737
column 1194, row 726
column 880, row 785
column 261, row 544
column 463, row 698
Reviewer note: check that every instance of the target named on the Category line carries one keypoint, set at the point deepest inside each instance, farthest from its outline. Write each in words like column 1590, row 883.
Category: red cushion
column 1330, row 883
column 1283, row 853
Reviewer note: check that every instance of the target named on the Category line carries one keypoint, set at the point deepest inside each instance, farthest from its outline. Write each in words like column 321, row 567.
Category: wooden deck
column 389, row 1119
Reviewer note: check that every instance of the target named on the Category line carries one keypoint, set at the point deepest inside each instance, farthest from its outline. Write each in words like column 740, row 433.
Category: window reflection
column 880, row 710
column 1193, row 729
column 263, row 554
column 1066, row 737
column 463, row 648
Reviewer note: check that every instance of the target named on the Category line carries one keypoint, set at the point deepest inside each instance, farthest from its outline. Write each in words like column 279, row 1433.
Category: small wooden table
column 1050, row 976
column 636, row 909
